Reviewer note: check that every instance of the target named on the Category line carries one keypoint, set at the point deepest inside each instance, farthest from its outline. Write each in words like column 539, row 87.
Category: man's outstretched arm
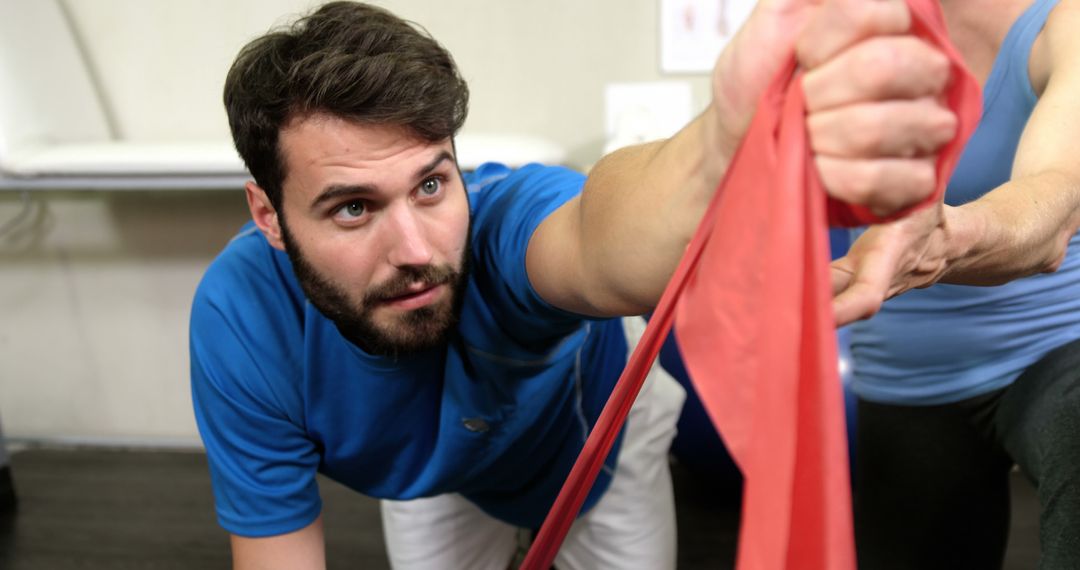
column 873, row 121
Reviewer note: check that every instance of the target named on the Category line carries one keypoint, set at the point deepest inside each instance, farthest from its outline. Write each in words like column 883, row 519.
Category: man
column 444, row 343
column 959, row 381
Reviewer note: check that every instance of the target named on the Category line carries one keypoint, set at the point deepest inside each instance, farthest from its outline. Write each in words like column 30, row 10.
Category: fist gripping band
column 751, row 303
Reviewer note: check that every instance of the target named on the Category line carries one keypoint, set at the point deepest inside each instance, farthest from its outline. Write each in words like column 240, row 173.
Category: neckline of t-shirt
column 386, row 363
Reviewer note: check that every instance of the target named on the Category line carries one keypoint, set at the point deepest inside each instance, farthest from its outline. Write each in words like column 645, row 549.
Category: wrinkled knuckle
column 920, row 66
column 887, row 203
column 938, row 68
column 924, row 179
column 939, row 126
column 878, row 57
column 888, row 17
column 851, row 185
column 948, row 124
column 865, row 18
column 878, row 180
column 913, row 181
column 805, row 52
column 858, row 132
column 918, row 184
column 832, row 177
column 816, row 128
column 842, row 180
column 872, row 132
column 871, row 76
column 874, row 183
column 816, row 91
column 828, row 135
column 895, row 16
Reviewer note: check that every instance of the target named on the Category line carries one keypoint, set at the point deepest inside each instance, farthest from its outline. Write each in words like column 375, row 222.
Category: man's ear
column 264, row 214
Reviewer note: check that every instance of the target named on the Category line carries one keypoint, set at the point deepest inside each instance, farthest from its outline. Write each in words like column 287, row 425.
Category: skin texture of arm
column 1019, row 229
column 612, row 250
column 300, row 550
column 1023, row 227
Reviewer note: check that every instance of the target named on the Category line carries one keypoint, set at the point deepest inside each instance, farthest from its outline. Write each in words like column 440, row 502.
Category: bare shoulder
column 1057, row 50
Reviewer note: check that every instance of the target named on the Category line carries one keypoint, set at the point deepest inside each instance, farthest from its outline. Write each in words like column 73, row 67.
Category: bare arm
column 1018, row 229
column 612, row 250
column 300, row 550
column 1023, row 227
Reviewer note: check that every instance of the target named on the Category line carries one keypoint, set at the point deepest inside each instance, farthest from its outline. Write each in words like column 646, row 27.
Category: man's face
column 376, row 223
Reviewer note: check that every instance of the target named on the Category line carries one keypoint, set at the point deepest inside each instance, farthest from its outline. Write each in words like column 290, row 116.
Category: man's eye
column 431, row 186
column 351, row 210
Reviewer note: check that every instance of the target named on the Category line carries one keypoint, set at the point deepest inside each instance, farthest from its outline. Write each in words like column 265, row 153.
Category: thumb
column 849, row 301
column 864, row 291
column 841, row 273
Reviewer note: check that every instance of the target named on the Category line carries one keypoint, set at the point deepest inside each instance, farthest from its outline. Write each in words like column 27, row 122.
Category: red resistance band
column 754, row 321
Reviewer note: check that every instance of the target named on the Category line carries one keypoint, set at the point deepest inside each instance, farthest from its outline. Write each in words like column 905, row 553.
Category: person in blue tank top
column 444, row 341
column 960, row 380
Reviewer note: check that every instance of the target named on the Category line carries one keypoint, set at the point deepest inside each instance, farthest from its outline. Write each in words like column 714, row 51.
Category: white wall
column 533, row 66
column 95, row 287
column 94, row 298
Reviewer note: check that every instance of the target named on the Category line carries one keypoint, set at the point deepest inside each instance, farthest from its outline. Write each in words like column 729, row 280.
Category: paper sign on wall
column 694, row 32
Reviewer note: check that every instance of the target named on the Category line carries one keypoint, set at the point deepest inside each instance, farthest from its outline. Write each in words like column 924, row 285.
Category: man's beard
column 414, row 331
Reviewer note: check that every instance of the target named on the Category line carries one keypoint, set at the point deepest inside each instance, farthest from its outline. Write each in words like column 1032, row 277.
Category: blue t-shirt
column 951, row 342
column 499, row 415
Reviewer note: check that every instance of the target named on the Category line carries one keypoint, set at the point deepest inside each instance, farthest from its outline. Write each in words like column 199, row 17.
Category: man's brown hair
column 346, row 59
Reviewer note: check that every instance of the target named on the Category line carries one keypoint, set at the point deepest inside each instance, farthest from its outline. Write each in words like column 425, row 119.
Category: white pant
column 632, row 526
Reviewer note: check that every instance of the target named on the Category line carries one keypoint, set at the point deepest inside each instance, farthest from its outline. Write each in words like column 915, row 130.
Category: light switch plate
column 645, row 111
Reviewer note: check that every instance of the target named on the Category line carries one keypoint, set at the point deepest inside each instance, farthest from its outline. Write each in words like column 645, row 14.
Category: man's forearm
column 299, row 550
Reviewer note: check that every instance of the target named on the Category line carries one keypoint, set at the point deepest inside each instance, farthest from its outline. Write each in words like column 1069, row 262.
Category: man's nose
column 408, row 241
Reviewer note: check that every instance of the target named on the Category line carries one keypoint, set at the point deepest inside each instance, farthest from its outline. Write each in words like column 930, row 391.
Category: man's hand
column 887, row 260
column 872, row 93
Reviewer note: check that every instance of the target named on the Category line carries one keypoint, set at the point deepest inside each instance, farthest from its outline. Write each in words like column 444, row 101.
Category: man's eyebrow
column 444, row 155
column 335, row 191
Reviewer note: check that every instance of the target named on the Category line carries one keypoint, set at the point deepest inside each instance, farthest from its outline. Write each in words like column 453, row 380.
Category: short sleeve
column 509, row 205
column 262, row 463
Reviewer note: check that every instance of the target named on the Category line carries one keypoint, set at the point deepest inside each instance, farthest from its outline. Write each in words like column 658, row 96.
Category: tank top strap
column 1010, row 75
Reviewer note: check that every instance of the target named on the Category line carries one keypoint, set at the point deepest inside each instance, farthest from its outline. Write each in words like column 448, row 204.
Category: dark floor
column 118, row 510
